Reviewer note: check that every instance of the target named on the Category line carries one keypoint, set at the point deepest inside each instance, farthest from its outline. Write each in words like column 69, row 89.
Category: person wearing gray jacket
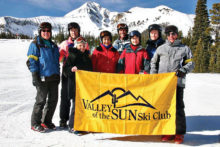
column 173, row 56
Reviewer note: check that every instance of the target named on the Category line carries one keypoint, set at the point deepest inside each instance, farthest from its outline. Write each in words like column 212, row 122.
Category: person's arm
column 121, row 63
column 67, row 67
column 146, row 62
column 94, row 60
column 188, row 64
column 33, row 57
column 154, row 64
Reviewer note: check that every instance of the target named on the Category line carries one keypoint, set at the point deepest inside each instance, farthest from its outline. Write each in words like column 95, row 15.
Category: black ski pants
column 46, row 102
column 180, row 113
column 65, row 101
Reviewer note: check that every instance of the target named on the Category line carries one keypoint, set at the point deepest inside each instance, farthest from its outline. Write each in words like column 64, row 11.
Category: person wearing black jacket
column 78, row 59
column 155, row 39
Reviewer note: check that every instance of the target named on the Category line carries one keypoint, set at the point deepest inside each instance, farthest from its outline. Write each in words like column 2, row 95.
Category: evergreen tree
column 201, row 31
column 198, row 59
column 215, row 21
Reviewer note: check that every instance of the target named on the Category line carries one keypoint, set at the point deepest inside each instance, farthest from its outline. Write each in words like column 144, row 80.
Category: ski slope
column 17, row 97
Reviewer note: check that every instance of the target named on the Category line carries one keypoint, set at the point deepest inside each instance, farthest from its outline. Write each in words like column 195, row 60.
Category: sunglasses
column 171, row 34
column 46, row 31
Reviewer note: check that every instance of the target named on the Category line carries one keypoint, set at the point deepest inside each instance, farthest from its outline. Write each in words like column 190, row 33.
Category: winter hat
column 155, row 27
column 44, row 25
column 79, row 40
column 122, row 26
column 171, row 28
column 135, row 33
column 103, row 34
column 73, row 25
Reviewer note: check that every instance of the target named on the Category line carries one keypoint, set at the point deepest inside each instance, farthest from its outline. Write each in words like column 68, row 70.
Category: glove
column 181, row 73
column 36, row 79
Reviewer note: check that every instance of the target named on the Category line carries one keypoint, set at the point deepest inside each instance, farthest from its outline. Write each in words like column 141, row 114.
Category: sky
column 58, row 8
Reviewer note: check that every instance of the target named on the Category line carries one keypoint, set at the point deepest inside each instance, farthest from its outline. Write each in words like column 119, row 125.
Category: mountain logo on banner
column 125, row 95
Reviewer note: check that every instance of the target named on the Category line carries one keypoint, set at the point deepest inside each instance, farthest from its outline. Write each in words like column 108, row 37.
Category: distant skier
column 134, row 58
column 155, row 39
column 122, row 40
column 174, row 57
column 105, row 56
column 43, row 57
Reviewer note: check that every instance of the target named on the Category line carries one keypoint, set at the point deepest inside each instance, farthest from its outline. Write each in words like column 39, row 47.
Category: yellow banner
column 125, row 103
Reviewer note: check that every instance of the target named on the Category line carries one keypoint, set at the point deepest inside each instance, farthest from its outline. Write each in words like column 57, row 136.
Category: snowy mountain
column 93, row 18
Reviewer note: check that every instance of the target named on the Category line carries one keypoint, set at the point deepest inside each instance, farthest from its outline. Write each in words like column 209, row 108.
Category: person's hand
column 181, row 73
column 74, row 68
column 36, row 79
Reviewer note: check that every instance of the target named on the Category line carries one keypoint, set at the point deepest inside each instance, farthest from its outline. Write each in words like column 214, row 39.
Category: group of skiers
column 124, row 55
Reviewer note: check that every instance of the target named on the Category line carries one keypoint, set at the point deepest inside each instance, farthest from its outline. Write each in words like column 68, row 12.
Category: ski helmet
column 44, row 25
column 73, row 25
column 122, row 26
column 171, row 28
column 105, row 33
column 135, row 33
column 155, row 27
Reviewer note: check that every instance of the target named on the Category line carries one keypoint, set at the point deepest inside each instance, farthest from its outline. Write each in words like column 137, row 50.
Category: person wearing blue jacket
column 155, row 39
column 43, row 58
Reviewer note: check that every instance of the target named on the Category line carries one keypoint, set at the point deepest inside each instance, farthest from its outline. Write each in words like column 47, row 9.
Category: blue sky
column 33, row 8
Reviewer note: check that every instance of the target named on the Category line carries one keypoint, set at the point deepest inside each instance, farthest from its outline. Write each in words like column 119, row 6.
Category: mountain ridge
column 93, row 18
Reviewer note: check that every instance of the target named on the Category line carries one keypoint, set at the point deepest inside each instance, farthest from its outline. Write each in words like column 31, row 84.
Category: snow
column 17, row 97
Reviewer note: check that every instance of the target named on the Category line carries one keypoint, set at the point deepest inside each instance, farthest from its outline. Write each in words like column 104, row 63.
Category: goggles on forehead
column 80, row 40
column 122, row 26
column 171, row 34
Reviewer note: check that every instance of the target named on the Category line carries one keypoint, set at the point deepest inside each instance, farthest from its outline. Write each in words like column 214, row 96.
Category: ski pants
column 180, row 113
column 46, row 102
column 65, row 101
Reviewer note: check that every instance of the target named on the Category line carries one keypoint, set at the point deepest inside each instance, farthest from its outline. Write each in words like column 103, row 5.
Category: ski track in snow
column 17, row 97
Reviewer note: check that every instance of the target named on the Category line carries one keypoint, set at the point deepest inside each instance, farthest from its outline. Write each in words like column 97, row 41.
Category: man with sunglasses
column 43, row 57
column 122, row 42
column 173, row 56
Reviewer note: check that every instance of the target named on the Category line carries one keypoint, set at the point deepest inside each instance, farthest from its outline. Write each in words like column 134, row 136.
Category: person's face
column 122, row 33
column 46, row 33
column 172, row 37
column 81, row 47
column 106, row 40
column 135, row 40
column 154, row 34
column 74, row 33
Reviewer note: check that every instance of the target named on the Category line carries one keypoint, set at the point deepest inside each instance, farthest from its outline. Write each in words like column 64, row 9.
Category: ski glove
column 36, row 79
column 181, row 73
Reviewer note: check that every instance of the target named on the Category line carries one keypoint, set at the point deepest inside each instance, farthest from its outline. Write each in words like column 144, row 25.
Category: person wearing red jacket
column 134, row 58
column 105, row 56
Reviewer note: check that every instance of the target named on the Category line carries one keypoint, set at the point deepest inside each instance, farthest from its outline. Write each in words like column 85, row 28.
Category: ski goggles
column 122, row 26
column 80, row 40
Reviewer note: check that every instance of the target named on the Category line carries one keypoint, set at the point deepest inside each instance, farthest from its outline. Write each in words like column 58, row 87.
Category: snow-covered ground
column 17, row 96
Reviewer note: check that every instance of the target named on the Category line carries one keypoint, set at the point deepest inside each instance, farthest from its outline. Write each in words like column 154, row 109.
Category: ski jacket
column 134, row 62
column 43, row 59
column 152, row 45
column 82, row 61
column 64, row 47
column 76, row 58
column 170, row 57
column 120, row 45
column 105, row 60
